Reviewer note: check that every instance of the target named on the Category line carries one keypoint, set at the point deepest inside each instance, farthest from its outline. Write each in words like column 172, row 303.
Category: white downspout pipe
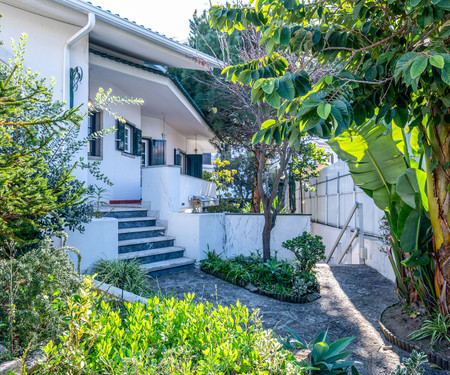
column 70, row 42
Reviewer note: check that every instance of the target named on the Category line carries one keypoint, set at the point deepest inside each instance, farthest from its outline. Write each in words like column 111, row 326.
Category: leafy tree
column 390, row 66
column 306, row 164
column 27, row 201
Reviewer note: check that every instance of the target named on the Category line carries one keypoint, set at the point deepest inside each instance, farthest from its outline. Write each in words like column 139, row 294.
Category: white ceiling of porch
column 159, row 93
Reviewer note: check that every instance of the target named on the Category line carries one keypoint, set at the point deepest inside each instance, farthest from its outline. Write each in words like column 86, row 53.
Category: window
column 158, row 152
column 207, row 158
column 94, row 126
column 145, row 152
column 127, row 145
column 128, row 139
column 179, row 158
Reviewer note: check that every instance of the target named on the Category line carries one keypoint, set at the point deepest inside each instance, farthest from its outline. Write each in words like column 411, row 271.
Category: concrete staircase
column 141, row 239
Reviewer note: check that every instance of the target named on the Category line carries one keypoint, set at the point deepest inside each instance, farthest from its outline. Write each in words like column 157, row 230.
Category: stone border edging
column 393, row 339
column 309, row 297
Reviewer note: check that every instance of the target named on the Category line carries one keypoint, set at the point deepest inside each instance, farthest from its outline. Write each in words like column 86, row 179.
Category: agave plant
column 326, row 358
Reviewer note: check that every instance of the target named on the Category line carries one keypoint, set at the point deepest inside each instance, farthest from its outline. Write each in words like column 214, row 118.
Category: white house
column 155, row 159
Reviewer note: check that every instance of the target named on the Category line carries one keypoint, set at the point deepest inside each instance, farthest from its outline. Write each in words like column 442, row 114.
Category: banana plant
column 379, row 162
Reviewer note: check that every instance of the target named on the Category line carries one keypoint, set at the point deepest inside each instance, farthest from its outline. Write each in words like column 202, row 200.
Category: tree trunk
column 256, row 196
column 266, row 234
column 438, row 182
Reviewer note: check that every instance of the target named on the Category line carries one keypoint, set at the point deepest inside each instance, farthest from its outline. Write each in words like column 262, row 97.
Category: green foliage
column 326, row 358
column 436, row 327
column 225, row 205
column 412, row 365
column 389, row 69
column 306, row 162
column 207, row 175
column 307, row 249
column 286, row 277
column 32, row 284
column 29, row 121
column 127, row 275
column 165, row 336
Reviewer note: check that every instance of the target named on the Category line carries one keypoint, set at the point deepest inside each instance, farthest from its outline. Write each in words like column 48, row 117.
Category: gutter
column 141, row 31
column 70, row 42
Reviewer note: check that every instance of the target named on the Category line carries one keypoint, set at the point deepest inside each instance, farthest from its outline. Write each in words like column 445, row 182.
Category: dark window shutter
column 120, row 135
column 157, row 152
column 194, row 165
column 176, row 157
column 137, row 140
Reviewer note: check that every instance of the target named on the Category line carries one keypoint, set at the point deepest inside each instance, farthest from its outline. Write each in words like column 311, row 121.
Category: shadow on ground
column 352, row 299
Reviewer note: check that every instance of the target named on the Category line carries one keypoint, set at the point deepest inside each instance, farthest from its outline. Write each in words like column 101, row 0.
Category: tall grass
column 127, row 275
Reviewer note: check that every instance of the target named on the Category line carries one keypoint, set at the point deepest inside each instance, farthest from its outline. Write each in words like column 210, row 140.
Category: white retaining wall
column 233, row 234
column 99, row 240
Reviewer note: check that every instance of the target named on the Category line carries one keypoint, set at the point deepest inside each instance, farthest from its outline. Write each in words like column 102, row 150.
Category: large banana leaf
column 373, row 158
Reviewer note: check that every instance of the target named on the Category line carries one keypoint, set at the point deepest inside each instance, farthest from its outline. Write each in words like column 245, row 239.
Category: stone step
column 154, row 255
column 126, row 212
column 140, row 232
column 136, row 222
column 168, row 266
column 142, row 244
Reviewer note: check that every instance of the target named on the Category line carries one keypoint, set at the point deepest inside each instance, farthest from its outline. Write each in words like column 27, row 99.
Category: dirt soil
column 353, row 298
column 398, row 321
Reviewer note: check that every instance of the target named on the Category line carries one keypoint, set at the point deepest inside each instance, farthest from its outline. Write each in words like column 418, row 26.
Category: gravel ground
column 352, row 299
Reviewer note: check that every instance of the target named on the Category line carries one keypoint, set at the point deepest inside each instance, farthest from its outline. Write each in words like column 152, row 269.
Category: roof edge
column 201, row 58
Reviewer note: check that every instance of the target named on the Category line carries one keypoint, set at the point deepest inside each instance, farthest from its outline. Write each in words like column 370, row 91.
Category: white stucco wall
column 232, row 234
column 99, row 240
column 377, row 257
column 161, row 189
column 166, row 190
column 45, row 53
column 124, row 170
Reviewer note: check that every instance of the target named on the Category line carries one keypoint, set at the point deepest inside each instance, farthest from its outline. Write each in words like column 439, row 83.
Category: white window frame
column 128, row 139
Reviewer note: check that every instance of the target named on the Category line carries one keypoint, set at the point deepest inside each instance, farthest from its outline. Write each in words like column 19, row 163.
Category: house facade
column 154, row 158
column 85, row 48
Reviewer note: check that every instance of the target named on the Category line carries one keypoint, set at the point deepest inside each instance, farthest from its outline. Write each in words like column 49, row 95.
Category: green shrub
column 307, row 249
column 30, row 284
column 412, row 365
column 274, row 276
column 129, row 276
column 167, row 336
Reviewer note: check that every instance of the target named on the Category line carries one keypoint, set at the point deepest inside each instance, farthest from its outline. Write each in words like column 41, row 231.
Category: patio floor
column 353, row 298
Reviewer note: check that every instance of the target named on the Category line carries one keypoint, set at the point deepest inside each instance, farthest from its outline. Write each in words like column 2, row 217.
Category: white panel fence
column 331, row 204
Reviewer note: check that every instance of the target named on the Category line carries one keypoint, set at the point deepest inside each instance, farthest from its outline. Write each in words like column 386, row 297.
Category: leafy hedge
column 166, row 336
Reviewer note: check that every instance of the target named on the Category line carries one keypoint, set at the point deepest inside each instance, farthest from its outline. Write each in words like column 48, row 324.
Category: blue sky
column 168, row 17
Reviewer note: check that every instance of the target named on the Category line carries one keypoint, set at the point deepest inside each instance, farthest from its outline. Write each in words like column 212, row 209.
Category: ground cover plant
column 166, row 336
column 127, row 275
column 289, row 277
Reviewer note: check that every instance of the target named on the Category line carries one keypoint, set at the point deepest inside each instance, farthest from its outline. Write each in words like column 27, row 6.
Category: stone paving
column 353, row 298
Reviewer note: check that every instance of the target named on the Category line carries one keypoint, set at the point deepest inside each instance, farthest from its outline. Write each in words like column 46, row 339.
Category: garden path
column 353, row 298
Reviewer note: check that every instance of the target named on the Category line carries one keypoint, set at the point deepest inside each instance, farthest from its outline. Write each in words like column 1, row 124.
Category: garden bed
column 291, row 281
column 308, row 297
column 396, row 324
